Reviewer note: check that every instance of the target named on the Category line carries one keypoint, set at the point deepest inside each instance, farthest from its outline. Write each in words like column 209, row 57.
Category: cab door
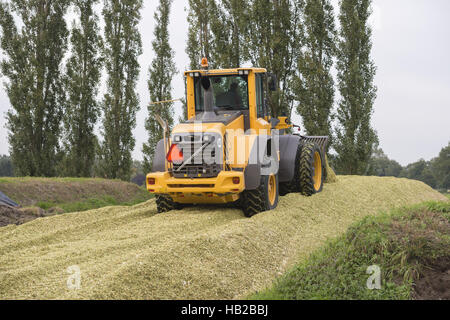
column 261, row 108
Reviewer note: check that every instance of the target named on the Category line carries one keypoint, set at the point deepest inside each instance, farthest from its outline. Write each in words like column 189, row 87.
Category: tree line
column 55, row 105
column 54, row 72
column 435, row 173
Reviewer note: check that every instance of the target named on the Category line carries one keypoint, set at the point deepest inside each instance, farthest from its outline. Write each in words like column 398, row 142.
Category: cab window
column 230, row 92
column 259, row 81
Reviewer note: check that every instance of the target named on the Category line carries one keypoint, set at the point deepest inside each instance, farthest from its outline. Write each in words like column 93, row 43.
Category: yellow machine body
column 236, row 151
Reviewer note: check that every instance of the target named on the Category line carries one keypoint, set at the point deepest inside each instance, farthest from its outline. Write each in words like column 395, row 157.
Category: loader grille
column 190, row 144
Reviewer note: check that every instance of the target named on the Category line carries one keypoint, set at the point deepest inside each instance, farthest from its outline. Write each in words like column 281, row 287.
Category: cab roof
column 225, row 71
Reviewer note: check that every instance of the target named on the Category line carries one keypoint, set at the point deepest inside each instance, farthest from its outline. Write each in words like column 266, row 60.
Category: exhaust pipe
column 208, row 99
column 165, row 128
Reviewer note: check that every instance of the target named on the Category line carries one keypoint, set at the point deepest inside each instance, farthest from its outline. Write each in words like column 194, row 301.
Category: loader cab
column 236, row 92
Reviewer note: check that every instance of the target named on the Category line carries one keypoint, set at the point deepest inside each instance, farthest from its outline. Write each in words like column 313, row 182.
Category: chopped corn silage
column 331, row 175
column 197, row 253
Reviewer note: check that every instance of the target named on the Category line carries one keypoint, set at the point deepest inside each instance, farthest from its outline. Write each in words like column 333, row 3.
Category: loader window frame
column 221, row 86
column 260, row 95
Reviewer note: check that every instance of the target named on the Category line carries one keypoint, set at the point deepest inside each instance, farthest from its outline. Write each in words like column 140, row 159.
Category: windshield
column 230, row 92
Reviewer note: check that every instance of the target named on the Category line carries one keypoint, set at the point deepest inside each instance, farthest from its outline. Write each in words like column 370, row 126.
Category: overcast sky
column 411, row 49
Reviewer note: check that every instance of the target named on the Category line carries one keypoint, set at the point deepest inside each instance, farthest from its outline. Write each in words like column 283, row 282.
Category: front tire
column 264, row 198
column 166, row 204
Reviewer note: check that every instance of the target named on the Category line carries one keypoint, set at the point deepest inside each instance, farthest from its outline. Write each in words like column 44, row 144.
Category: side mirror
column 272, row 82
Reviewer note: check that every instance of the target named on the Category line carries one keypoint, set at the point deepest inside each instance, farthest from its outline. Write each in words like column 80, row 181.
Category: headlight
column 177, row 138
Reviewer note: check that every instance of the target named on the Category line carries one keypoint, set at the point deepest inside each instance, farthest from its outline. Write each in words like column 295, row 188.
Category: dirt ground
column 18, row 216
column 434, row 282
column 10, row 215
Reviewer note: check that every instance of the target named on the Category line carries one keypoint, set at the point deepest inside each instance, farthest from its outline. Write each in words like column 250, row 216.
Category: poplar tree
column 228, row 30
column 266, row 33
column 314, row 87
column 161, row 73
column 122, row 48
column 355, row 137
column 200, row 41
column 83, row 72
column 274, row 39
column 184, row 114
column 32, row 65
column 217, row 30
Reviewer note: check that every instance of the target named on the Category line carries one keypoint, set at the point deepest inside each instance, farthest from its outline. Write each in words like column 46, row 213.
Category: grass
column 72, row 194
column 92, row 203
column 57, row 179
column 401, row 243
column 196, row 253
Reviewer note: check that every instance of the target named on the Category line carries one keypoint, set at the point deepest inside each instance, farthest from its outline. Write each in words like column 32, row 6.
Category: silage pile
column 198, row 253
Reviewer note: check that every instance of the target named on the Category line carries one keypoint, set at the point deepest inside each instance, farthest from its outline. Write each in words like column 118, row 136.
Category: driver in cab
column 230, row 99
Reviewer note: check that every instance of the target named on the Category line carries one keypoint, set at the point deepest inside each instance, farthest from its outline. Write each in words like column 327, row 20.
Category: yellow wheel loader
column 230, row 150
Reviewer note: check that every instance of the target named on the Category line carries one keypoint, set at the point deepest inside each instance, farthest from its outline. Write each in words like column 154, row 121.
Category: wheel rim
column 317, row 171
column 272, row 189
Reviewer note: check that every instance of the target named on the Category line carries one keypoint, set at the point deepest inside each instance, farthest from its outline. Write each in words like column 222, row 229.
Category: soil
column 434, row 282
column 10, row 215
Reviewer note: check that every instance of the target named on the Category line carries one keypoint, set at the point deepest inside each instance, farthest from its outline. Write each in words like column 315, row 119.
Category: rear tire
column 264, row 198
column 166, row 204
column 312, row 168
